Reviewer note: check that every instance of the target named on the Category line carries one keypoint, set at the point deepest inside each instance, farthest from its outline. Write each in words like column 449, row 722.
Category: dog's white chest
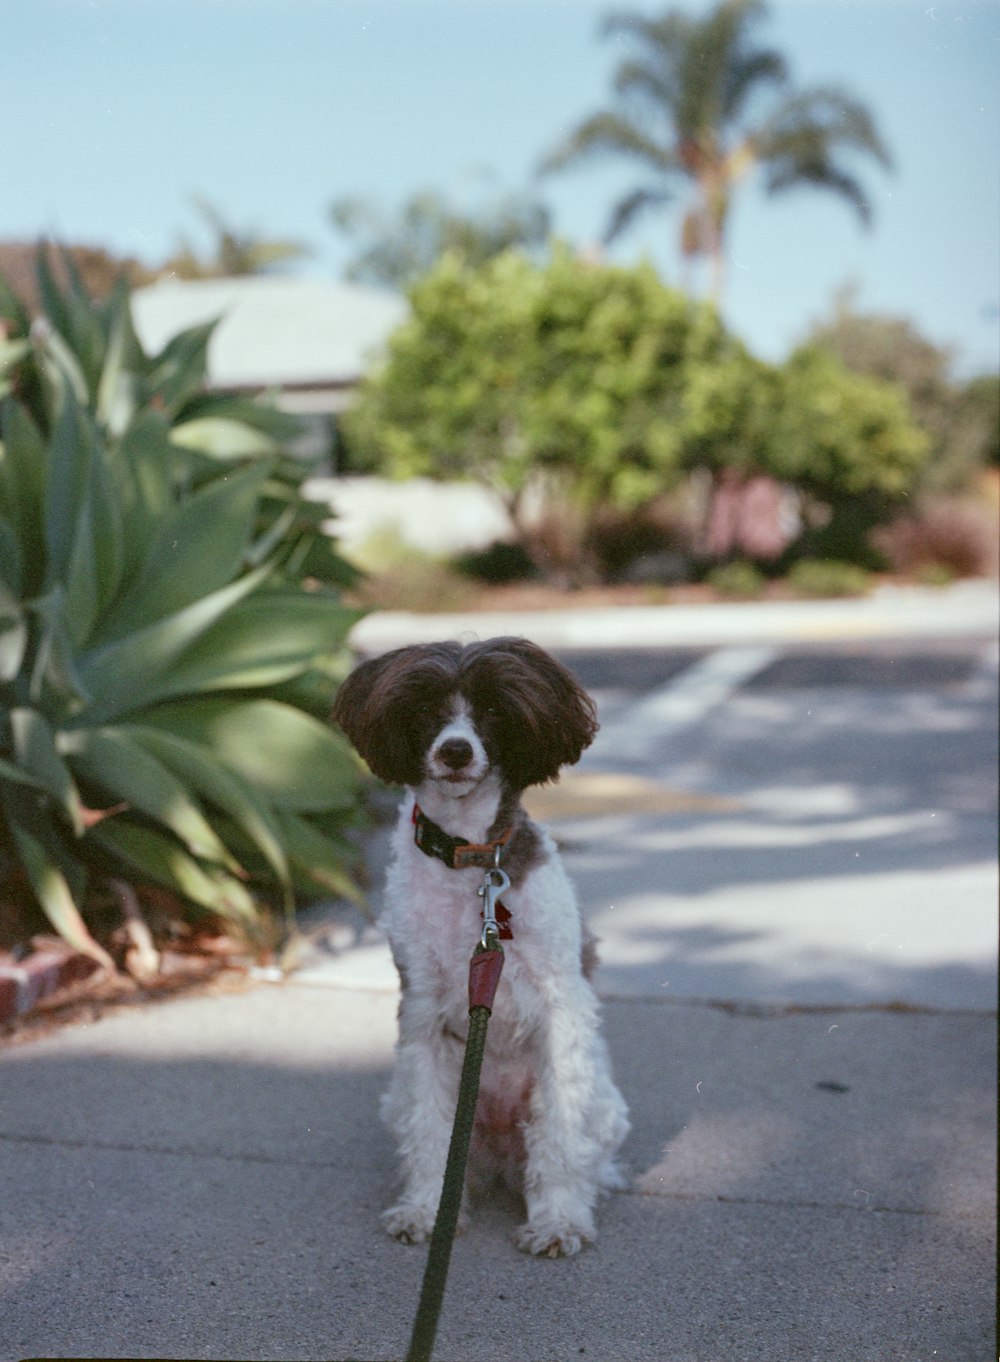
column 433, row 916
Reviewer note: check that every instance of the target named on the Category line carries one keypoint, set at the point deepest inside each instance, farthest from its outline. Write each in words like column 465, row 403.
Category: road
column 790, row 824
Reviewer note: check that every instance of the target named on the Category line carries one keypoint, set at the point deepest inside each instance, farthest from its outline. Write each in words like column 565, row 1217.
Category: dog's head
column 451, row 713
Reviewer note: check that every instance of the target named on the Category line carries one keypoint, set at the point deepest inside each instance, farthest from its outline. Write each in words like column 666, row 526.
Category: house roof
column 301, row 333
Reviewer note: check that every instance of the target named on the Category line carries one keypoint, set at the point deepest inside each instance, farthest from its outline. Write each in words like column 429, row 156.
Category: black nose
column 455, row 753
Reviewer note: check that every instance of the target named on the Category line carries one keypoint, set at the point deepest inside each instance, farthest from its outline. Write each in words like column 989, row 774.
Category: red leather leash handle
column 485, row 968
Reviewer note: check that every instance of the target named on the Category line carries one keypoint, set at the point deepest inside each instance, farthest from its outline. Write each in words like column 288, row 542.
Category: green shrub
column 498, row 564
column 740, row 580
column 163, row 668
column 824, row 577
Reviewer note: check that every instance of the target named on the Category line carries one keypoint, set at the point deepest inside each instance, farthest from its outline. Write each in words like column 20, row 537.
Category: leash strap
column 484, row 975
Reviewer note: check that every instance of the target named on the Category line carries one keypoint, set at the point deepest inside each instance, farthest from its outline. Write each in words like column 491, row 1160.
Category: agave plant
column 163, row 666
column 158, row 400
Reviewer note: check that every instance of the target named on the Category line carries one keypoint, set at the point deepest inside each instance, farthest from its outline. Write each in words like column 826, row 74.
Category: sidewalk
column 963, row 609
column 203, row 1180
column 812, row 1089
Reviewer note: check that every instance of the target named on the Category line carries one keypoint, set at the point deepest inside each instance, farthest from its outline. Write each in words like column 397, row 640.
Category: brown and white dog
column 467, row 729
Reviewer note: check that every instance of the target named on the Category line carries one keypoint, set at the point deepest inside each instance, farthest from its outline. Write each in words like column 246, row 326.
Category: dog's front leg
column 419, row 1109
column 577, row 1120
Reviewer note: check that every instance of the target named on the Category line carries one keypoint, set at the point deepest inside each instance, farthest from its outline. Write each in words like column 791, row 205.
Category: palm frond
column 821, row 115
column 643, row 82
column 665, row 37
column 821, row 174
column 630, row 207
column 806, row 140
column 610, row 133
column 747, row 73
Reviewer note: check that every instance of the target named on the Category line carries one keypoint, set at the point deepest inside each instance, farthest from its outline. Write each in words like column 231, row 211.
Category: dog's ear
column 379, row 705
column 361, row 710
column 543, row 717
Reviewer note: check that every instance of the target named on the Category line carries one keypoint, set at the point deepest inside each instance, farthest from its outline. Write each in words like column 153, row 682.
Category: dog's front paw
column 552, row 1239
column 408, row 1223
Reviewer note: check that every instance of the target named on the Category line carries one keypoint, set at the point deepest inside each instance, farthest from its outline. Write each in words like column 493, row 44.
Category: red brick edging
column 25, row 983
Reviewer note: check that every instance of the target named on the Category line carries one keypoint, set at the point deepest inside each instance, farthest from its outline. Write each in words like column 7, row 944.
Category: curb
column 26, row 983
column 966, row 609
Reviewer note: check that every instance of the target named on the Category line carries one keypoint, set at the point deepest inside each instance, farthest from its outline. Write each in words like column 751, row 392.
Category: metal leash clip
column 495, row 882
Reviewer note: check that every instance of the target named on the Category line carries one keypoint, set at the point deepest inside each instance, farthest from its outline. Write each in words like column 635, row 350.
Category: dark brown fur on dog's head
column 531, row 713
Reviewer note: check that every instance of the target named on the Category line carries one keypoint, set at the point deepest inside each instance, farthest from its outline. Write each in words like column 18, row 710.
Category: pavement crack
column 164, row 1150
column 766, row 1011
column 793, row 1204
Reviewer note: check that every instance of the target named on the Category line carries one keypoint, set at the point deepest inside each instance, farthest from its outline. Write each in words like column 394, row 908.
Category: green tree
column 567, row 378
column 690, row 112
column 979, row 414
column 960, row 418
column 850, row 443
column 397, row 248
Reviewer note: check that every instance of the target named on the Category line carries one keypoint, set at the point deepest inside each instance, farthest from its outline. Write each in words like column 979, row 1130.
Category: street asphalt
column 785, row 837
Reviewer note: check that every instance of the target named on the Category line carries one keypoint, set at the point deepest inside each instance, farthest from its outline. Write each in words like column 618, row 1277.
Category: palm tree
column 398, row 249
column 690, row 110
column 233, row 252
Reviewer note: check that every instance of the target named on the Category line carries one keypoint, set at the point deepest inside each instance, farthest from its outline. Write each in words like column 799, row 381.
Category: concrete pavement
column 963, row 609
column 794, row 886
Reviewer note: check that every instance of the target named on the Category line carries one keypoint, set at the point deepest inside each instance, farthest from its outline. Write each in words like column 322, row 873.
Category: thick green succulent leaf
column 10, row 557
column 12, row 309
column 292, row 760
column 70, row 452
column 322, row 561
column 263, row 640
column 53, row 893
column 201, row 770
column 83, row 521
column 13, row 635
column 54, row 300
column 145, row 471
column 118, row 389
column 158, row 857
column 281, row 427
column 132, row 672
column 316, row 859
column 81, row 325
column 23, row 463
column 61, row 371
column 275, row 537
column 36, row 752
column 55, row 684
column 15, row 776
column 199, row 546
column 126, row 770
column 12, row 352
column 177, row 374
column 222, row 438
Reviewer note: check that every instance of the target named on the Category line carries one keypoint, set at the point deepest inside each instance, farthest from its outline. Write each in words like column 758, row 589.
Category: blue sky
column 118, row 112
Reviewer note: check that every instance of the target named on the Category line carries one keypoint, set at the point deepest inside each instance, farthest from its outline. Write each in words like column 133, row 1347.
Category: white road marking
column 682, row 702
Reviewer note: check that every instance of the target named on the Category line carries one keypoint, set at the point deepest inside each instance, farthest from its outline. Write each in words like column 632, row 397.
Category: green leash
column 484, row 975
